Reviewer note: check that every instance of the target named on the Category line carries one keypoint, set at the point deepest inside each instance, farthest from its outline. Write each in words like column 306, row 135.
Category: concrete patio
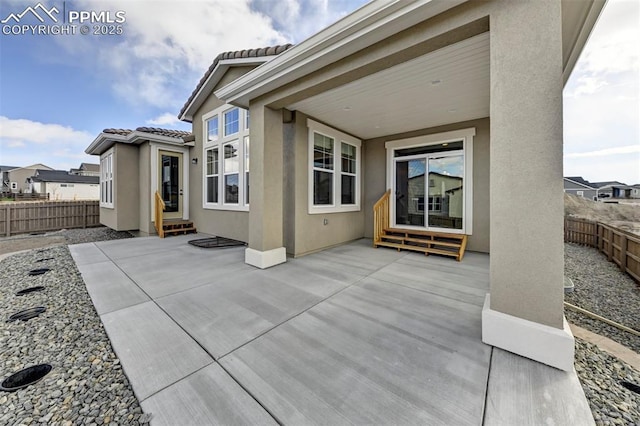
column 350, row 335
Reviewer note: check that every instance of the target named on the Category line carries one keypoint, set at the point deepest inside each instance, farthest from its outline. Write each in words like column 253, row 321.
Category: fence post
column 623, row 252
column 7, row 221
column 84, row 214
column 610, row 246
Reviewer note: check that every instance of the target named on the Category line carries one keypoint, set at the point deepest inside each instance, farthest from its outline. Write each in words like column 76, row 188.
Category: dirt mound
column 624, row 216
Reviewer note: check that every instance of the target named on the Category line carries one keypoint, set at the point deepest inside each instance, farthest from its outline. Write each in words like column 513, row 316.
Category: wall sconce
column 194, row 161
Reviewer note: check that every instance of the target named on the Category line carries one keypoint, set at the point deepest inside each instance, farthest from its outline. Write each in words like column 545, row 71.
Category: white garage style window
column 106, row 179
column 334, row 170
column 226, row 154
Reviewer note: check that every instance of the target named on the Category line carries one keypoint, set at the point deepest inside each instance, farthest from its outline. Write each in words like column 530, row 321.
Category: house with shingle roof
column 292, row 148
column 576, row 185
column 64, row 185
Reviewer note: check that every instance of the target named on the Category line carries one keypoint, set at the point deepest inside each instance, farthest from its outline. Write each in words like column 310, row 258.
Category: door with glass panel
column 429, row 187
column 170, row 183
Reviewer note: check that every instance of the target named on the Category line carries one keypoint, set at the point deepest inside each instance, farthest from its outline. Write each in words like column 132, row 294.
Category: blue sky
column 57, row 92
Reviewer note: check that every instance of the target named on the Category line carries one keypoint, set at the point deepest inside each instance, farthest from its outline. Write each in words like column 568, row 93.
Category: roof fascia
column 595, row 8
column 220, row 69
column 578, row 183
column 366, row 26
column 104, row 141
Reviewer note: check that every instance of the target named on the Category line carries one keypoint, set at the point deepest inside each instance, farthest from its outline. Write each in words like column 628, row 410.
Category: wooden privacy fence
column 620, row 246
column 20, row 218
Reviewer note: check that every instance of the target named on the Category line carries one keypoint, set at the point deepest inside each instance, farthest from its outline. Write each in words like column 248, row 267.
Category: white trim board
column 265, row 259
column 539, row 342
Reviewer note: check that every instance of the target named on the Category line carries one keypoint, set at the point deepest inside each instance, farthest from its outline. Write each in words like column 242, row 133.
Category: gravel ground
column 600, row 375
column 86, row 385
column 600, row 287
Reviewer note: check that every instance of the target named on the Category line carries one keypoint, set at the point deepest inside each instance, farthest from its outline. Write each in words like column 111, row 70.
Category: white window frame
column 14, row 186
column 107, row 187
column 220, row 142
column 339, row 138
column 464, row 135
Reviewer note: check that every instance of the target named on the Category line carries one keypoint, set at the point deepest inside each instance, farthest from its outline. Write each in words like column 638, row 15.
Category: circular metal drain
column 29, row 290
column 39, row 271
column 26, row 377
column 27, row 314
column 44, row 259
column 631, row 386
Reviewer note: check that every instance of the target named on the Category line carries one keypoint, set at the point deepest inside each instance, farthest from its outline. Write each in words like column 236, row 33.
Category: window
column 231, row 172
column 580, row 193
column 106, row 179
column 246, row 122
column 334, row 170
column 231, row 122
column 66, row 185
column 14, row 185
column 211, row 175
column 212, row 129
column 246, row 167
column 226, row 168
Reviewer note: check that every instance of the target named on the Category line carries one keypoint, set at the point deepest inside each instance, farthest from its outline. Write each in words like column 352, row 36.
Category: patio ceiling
column 445, row 86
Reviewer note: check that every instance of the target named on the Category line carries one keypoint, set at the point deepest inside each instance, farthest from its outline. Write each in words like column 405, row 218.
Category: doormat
column 216, row 242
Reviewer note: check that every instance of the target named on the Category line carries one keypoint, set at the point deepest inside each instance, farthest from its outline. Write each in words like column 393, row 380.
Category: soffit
column 445, row 86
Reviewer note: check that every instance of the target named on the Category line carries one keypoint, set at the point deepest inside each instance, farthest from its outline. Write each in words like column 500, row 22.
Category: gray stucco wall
column 375, row 177
column 310, row 232
column 230, row 224
column 124, row 214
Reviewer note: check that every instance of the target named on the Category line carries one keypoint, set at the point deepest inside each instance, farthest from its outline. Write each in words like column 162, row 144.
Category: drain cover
column 44, row 259
column 631, row 386
column 216, row 242
column 29, row 290
column 39, row 271
column 26, row 377
column 27, row 314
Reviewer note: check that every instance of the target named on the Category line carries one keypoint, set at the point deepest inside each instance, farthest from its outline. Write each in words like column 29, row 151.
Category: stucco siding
column 375, row 183
column 311, row 234
column 230, row 224
column 124, row 214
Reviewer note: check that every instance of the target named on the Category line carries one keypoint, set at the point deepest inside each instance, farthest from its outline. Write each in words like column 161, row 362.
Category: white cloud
column 24, row 142
column 300, row 19
column 166, row 119
column 631, row 149
column 167, row 46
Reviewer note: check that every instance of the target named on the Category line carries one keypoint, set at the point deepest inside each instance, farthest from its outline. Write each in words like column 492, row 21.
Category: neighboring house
column 293, row 145
column 87, row 169
column 18, row 178
column 635, row 191
column 575, row 185
column 612, row 189
column 63, row 185
column 6, row 185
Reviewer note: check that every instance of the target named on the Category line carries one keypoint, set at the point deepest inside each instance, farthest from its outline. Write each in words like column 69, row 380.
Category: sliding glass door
column 429, row 187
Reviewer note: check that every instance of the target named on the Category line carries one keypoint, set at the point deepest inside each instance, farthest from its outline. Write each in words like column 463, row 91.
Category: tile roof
column 152, row 130
column 62, row 176
column 238, row 54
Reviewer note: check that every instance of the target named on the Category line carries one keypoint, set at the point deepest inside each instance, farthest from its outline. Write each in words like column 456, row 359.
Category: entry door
column 170, row 183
